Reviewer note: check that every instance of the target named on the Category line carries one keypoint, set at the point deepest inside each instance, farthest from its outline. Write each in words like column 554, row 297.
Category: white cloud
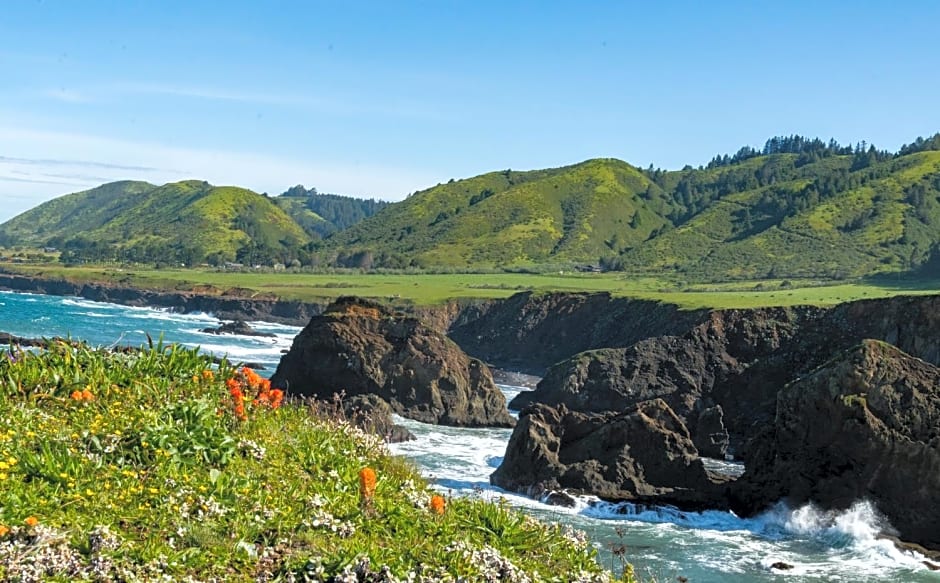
column 67, row 95
column 44, row 164
column 342, row 105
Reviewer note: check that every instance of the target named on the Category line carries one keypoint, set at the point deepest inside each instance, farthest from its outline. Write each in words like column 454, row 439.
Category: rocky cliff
column 361, row 347
column 642, row 455
column 866, row 425
column 529, row 332
column 735, row 360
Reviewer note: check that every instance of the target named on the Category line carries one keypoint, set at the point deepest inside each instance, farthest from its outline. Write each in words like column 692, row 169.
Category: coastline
column 222, row 306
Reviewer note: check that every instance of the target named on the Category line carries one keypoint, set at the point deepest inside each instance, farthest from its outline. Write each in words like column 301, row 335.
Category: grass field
column 431, row 289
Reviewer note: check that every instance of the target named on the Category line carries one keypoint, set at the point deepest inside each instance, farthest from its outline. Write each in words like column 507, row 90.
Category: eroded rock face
column 736, row 360
column 644, row 455
column 529, row 332
column 681, row 371
column 359, row 347
column 866, row 425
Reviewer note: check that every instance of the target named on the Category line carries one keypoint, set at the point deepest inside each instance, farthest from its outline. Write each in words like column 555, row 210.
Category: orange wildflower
column 438, row 504
column 87, row 396
column 208, row 375
column 31, row 521
column 367, row 483
column 4, row 530
column 277, row 395
column 76, row 395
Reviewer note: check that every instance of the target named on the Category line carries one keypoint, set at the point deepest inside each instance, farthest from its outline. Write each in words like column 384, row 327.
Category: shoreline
column 223, row 307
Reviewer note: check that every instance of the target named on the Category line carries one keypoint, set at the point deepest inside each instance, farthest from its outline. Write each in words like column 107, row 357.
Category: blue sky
column 385, row 98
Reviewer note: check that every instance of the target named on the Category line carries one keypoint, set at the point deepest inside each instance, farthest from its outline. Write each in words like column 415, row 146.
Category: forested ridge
column 797, row 207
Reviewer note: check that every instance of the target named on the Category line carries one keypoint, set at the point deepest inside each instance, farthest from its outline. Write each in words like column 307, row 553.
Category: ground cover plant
column 157, row 465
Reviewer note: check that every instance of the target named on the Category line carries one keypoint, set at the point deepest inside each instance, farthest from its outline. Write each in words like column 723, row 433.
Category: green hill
column 821, row 219
column 797, row 208
column 188, row 221
column 508, row 218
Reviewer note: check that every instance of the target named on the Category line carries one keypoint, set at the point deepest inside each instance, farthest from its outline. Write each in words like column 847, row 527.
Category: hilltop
column 185, row 222
column 796, row 208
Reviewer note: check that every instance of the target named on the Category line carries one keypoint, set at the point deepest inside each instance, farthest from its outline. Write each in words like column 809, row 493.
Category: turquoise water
column 709, row 547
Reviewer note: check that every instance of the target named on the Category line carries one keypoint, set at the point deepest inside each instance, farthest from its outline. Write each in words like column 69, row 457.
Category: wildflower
column 31, row 521
column 76, row 395
column 208, row 375
column 277, row 395
column 4, row 530
column 438, row 504
column 87, row 396
column 367, row 483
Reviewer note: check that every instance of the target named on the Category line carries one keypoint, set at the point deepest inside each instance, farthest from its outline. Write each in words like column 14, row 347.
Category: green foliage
column 185, row 222
column 799, row 207
column 135, row 466
column 322, row 214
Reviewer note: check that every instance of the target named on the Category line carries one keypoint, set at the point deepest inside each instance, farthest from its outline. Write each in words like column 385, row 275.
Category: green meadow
column 425, row 289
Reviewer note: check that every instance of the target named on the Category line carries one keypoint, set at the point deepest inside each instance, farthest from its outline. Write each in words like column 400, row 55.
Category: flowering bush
column 248, row 386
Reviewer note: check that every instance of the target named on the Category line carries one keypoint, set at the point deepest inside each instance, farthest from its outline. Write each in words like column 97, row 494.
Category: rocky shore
column 823, row 405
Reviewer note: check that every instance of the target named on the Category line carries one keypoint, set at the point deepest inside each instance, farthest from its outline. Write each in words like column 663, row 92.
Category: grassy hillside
column 822, row 219
column 191, row 218
column 156, row 465
column 508, row 218
column 798, row 208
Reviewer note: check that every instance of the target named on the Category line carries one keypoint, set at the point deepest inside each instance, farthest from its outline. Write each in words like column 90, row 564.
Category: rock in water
column 642, row 455
column 237, row 327
column 360, row 347
column 866, row 425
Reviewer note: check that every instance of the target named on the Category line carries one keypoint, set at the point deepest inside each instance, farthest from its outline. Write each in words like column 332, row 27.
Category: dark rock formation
column 644, row 455
column 373, row 415
column 735, row 359
column 675, row 369
column 237, row 327
column 529, row 332
column 866, row 425
column 361, row 347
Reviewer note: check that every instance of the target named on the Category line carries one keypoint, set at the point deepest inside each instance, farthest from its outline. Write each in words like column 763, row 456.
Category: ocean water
column 704, row 547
